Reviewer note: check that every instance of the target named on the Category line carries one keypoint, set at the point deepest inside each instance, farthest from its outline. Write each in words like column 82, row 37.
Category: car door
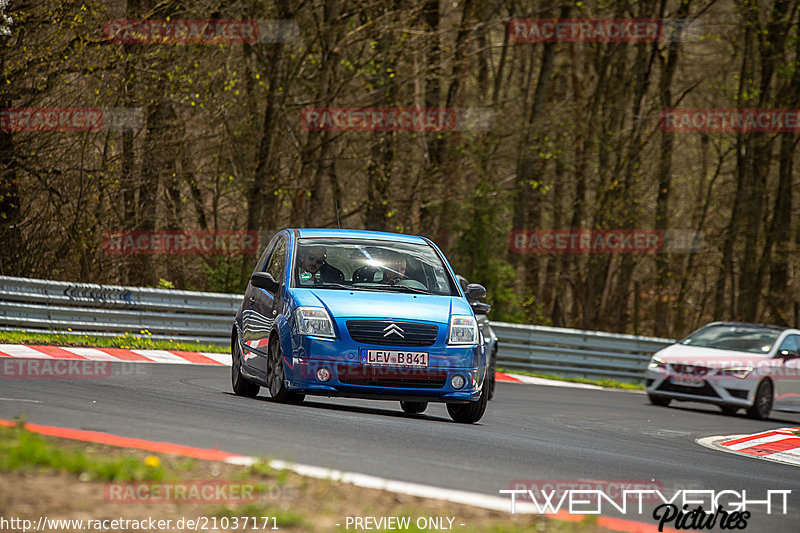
column 262, row 308
column 787, row 375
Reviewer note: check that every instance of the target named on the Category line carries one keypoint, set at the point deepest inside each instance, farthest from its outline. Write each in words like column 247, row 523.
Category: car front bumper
column 714, row 389
column 350, row 377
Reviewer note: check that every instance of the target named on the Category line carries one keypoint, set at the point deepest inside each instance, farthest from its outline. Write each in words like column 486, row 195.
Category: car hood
column 708, row 357
column 383, row 305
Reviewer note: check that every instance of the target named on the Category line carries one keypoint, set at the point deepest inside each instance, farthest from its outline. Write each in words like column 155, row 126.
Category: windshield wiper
column 405, row 288
column 333, row 285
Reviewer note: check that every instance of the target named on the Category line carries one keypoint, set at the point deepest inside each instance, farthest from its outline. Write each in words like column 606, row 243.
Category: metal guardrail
column 109, row 310
column 574, row 352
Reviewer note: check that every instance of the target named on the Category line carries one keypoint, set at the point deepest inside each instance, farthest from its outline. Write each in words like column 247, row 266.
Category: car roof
column 748, row 325
column 333, row 233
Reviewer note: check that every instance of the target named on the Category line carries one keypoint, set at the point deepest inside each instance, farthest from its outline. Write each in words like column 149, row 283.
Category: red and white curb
column 474, row 499
column 781, row 445
column 33, row 351
column 30, row 351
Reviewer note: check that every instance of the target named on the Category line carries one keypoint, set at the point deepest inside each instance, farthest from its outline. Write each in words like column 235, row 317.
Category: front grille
column 692, row 370
column 391, row 333
column 404, row 378
column 705, row 390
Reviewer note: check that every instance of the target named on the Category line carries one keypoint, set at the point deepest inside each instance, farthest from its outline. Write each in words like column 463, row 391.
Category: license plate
column 395, row 358
column 687, row 382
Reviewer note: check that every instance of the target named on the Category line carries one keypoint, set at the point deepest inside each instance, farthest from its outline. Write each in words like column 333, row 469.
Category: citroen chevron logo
column 393, row 328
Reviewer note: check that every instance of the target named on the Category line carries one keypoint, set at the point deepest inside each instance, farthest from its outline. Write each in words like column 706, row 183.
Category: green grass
column 21, row 450
column 127, row 341
column 608, row 383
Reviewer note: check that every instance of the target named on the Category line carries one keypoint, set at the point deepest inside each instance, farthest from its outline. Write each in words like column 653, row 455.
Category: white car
column 731, row 364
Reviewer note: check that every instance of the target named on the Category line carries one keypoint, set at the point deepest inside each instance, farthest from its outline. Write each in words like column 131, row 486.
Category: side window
column 261, row 265
column 790, row 343
column 277, row 260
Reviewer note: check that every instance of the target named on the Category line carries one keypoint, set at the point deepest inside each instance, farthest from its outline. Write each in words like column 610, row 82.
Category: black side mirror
column 462, row 281
column 788, row 354
column 480, row 308
column 264, row 280
column 475, row 291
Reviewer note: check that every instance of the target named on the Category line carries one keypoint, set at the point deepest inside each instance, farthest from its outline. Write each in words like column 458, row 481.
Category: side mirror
column 462, row 281
column 264, row 280
column 788, row 354
column 480, row 308
column 475, row 291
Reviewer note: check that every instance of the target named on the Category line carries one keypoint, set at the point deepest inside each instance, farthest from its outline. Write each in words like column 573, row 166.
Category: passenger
column 313, row 268
column 394, row 268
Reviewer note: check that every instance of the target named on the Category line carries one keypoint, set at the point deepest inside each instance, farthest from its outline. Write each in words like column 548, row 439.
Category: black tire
column 762, row 403
column 241, row 385
column 490, row 379
column 414, row 408
column 729, row 410
column 660, row 401
column 469, row 413
column 276, row 377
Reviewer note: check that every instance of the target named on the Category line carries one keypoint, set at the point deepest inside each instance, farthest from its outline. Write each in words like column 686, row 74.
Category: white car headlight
column 740, row 372
column 314, row 321
column 656, row 363
column 463, row 330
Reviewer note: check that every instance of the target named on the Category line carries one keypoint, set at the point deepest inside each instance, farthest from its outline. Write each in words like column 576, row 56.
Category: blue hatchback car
column 360, row 314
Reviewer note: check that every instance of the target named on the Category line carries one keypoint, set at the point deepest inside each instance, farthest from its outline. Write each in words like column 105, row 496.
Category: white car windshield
column 376, row 265
column 736, row 337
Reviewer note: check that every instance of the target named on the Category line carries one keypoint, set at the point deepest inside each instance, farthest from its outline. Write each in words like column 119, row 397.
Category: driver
column 394, row 268
column 313, row 268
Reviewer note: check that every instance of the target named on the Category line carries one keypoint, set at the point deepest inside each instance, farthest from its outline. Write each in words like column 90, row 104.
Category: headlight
column 740, row 372
column 314, row 321
column 656, row 363
column 463, row 330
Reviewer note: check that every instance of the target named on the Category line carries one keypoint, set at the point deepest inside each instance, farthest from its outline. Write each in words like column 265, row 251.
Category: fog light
column 457, row 381
column 323, row 374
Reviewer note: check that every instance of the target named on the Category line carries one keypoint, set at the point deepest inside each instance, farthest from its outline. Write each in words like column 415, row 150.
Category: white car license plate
column 687, row 382
column 396, row 358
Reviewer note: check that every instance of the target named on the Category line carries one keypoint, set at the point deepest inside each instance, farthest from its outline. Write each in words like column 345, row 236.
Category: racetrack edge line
column 713, row 443
column 474, row 499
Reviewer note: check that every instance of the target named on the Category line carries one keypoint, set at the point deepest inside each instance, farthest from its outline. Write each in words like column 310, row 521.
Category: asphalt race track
column 529, row 432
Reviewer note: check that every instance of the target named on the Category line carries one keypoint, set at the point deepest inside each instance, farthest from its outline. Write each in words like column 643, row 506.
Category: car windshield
column 371, row 265
column 740, row 338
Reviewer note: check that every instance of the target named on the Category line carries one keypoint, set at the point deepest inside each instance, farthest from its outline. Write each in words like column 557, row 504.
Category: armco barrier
column 84, row 308
column 574, row 352
column 105, row 310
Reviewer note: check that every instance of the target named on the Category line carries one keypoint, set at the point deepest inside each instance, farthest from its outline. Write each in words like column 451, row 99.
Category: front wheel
column 659, row 400
column 762, row 404
column 414, row 408
column 276, row 379
column 469, row 413
column 241, row 386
